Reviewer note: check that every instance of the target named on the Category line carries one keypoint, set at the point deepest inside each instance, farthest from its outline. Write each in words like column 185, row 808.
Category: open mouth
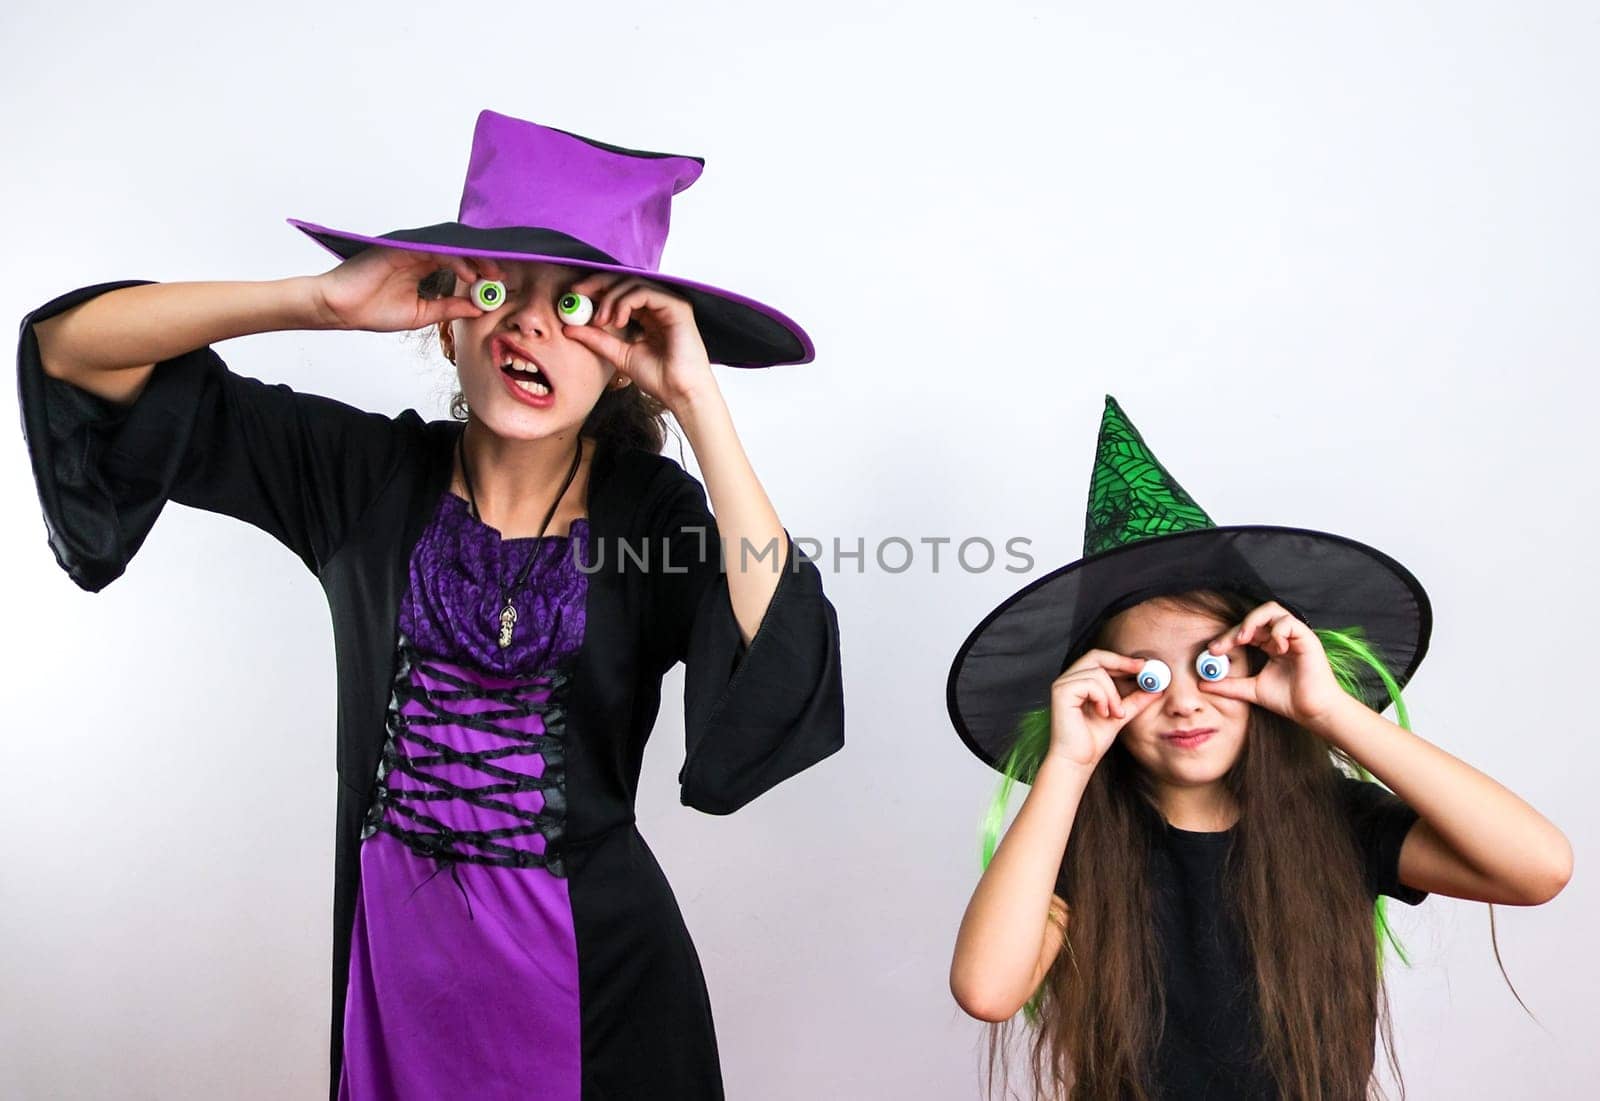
column 526, row 376
column 520, row 370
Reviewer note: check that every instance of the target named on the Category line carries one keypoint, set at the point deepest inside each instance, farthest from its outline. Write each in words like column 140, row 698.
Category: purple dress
column 515, row 936
column 464, row 962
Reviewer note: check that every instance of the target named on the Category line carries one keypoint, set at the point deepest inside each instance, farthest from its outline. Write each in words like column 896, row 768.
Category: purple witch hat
column 537, row 193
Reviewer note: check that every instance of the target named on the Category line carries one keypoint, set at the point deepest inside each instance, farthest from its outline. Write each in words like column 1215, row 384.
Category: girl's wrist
column 1339, row 719
column 695, row 404
column 304, row 301
column 1065, row 768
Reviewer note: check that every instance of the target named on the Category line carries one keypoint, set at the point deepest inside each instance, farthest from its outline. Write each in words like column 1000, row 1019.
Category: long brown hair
column 1294, row 886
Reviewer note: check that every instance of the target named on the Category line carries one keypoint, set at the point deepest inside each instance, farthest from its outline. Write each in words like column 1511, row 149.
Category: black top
column 1209, row 1039
column 349, row 492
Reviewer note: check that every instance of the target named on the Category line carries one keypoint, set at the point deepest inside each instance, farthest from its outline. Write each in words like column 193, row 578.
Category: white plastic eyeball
column 1211, row 666
column 488, row 294
column 575, row 309
column 1155, row 676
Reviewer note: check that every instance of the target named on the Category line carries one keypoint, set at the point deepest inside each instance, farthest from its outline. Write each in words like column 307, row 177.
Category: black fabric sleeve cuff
column 299, row 466
column 756, row 715
column 101, row 469
column 1380, row 820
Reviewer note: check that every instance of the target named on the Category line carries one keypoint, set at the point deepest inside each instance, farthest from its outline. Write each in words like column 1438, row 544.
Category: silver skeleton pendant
column 508, row 622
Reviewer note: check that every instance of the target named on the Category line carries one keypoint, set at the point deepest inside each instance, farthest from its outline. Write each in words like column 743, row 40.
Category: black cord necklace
column 508, row 614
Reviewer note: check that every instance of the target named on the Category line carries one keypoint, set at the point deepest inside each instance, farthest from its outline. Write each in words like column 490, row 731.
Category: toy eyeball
column 488, row 294
column 1211, row 666
column 575, row 309
column 1155, row 676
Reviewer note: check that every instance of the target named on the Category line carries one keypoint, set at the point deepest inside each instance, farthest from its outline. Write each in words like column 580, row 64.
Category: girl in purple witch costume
column 506, row 595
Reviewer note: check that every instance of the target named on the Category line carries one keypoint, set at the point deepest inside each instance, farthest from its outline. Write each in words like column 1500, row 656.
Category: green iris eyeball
column 488, row 294
column 575, row 309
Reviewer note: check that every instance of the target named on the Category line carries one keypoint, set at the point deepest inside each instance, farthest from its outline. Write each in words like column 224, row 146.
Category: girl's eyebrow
column 564, row 279
column 1201, row 645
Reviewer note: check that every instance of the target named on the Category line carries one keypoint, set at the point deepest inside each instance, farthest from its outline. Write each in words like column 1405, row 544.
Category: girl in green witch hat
column 1184, row 905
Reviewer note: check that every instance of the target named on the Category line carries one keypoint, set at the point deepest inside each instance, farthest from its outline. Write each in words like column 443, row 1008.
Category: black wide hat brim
column 1007, row 664
column 737, row 331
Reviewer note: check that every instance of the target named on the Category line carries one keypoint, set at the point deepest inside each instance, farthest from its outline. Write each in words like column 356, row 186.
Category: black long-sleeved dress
column 350, row 492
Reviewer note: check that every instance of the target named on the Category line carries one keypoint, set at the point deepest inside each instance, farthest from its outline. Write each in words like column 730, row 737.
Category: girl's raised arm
column 669, row 361
column 1015, row 924
column 1475, row 840
column 125, row 406
column 109, row 344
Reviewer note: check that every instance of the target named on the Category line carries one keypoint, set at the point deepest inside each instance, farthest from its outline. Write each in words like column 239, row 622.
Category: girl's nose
column 532, row 313
column 1183, row 694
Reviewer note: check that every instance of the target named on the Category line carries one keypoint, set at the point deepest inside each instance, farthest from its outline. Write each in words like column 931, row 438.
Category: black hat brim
column 1007, row 664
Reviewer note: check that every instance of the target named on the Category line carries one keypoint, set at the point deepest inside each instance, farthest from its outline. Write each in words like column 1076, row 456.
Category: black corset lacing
column 427, row 835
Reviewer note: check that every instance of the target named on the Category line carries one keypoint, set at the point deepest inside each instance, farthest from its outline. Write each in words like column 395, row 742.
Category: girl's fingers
column 481, row 267
column 1258, row 618
column 461, row 309
column 1072, row 694
column 1266, row 617
column 594, row 286
column 1135, row 703
column 1233, row 688
column 1099, row 682
column 448, row 309
column 464, row 271
column 602, row 344
column 641, row 299
column 620, row 309
column 1109, row 689
column 1105, row 659
column 432, row 311
column 468, row 269
column 630, row 295
column 604, row 291
column 1231, row 639
column 1087, row 684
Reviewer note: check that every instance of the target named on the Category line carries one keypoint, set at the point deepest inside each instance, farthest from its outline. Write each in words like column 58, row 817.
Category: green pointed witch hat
column 1144, row 536
column 1131, row 495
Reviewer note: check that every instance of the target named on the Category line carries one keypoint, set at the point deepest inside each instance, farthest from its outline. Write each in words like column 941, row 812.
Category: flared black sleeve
column 299, row 466
column 756, row 715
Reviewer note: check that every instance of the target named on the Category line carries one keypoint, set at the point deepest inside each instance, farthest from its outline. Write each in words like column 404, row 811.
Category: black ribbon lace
column 410, row 820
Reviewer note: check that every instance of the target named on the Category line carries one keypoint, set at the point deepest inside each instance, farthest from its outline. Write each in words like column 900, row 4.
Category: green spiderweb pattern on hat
column 1131, row 495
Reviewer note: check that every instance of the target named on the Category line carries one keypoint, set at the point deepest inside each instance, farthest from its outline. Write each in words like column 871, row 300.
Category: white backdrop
column 1340, row 265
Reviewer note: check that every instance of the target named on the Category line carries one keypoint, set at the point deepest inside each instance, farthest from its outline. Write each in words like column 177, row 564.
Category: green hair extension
column 1349, row 655
column 1021, row 763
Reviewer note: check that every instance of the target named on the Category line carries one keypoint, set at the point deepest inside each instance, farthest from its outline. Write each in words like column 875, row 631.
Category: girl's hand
column 668, row 359
column 1297, row 681
column 1087, row 710
column 376, row 290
